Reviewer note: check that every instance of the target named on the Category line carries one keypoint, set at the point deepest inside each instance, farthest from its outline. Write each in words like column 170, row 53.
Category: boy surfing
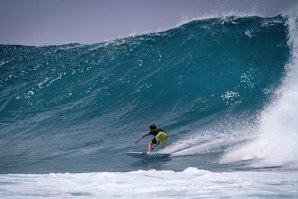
column 160, row 137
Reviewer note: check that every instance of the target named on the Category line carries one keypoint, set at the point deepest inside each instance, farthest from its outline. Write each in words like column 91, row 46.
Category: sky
column 52, row 22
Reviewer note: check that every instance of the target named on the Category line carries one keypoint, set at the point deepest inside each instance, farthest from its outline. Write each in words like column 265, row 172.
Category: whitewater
column 225, row 90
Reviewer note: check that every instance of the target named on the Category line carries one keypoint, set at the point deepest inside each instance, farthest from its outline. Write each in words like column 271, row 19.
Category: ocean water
column 224, row 89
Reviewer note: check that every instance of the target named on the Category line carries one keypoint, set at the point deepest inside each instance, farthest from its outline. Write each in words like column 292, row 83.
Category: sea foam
column 190, row 183
column 276, row 142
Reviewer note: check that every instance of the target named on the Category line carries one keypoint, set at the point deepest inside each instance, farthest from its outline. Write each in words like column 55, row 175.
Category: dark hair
column 152, row 126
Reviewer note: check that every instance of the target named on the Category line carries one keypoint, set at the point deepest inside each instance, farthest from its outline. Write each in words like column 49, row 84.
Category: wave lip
column 276, row 143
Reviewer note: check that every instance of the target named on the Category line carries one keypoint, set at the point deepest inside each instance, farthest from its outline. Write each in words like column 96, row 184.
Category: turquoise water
column 224, row 89
column 79, row 107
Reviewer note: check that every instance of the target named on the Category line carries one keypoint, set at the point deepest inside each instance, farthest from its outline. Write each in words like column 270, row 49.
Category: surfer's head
column 152, row 127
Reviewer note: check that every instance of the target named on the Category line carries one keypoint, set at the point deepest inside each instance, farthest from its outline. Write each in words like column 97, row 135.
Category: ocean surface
column 224, row 89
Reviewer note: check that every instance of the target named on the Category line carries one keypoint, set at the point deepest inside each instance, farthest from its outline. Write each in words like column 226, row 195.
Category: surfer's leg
column 164, row 142
column 151, row 144
column 162, row 138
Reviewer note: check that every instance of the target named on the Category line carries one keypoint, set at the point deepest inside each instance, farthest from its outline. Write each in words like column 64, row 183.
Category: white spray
column 277, row 136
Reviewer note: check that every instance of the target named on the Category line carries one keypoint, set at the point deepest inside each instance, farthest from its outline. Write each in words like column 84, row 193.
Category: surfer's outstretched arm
column 144, row 135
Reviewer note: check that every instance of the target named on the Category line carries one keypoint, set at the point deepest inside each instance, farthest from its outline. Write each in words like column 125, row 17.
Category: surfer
column 160, row 137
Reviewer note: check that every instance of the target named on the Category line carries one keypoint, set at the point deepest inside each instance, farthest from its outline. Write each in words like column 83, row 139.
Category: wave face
column 79, row 107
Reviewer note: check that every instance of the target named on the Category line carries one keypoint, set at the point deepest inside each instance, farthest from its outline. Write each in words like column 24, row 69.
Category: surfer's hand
column 137, row 141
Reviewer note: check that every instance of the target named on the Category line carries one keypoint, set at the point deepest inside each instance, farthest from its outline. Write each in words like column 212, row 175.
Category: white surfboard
column 144, row 155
